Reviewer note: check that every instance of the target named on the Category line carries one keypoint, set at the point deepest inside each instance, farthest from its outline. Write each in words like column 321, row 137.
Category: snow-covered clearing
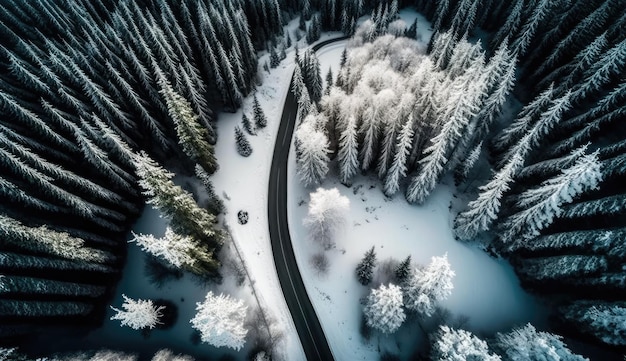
column 486, row 289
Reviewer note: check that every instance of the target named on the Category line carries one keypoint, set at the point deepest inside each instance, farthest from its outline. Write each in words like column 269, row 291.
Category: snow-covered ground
column 486, row 289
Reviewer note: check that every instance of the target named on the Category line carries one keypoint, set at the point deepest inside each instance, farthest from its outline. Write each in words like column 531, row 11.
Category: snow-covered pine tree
column 297, row 82
column 424, row 289
column 175, row 249
column 191, row 134
column 526, row 118
column 383, row 309
column 365, row 268
column 542, row 270
column 433, row 164
column 241, row 142
column 521, row 42
column 449, row 344
column 312, row 151
column 260, row 120
column 601, row 73
column 220, row 320
column 539, row 206
column 138, row 314
column 463, row 169
column 511, row 25
column 348, row 151
column 398, row 168
column 604, row 321
column 526, row 343
column 175, row 203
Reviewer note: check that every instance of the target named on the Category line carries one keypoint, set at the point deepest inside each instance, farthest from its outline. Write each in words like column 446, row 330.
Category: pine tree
column 348, row 151
column 399, row 165
column 191, row 135
column 524, row 121
column 604, row 321
column 243, row 145
column 176, row 204
column 484, row 210
column 260, row 120
column 403, row 270
column 365, row 268
column 541, row 205
column 383, row 310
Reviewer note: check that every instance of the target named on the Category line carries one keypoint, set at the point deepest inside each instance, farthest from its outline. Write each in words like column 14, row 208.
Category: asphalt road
column 304, row 317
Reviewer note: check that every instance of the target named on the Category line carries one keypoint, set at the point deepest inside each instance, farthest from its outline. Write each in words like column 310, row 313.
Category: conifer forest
column 107, row 104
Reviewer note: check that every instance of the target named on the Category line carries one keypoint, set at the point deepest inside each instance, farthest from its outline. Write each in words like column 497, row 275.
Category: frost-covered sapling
column 220, row 321
column 138, row 314
column 383, row 310
column 327, row 213
column 243, row 145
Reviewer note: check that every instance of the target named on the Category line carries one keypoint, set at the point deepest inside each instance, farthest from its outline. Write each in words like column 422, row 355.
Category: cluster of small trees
column 420, row 290
column 219, row 319
column 523, row 343
column 395, row 111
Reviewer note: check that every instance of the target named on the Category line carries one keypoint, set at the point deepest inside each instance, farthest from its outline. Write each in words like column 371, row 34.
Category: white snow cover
column 485, row 289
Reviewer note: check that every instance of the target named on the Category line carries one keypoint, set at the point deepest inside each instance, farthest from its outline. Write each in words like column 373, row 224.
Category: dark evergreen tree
column 403, row 270
column 365, row 268
column 247, row 125
column 260, row 120
column 243, row 145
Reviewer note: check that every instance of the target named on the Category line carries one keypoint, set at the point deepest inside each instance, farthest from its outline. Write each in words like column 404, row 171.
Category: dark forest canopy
column 85, row 86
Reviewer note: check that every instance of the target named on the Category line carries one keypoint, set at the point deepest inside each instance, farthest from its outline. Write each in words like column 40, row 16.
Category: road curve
column 307, row 324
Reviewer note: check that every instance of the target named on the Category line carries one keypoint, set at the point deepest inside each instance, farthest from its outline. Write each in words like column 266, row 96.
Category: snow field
column 486, row 289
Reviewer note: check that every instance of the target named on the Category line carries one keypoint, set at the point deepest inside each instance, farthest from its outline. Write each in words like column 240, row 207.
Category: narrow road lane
column 307, row 324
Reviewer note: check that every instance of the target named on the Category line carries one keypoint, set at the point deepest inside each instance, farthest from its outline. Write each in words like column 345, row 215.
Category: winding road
column 307, row 324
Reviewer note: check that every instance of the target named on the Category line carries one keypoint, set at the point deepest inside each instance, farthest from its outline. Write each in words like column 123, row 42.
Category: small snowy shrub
column 138, row 314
